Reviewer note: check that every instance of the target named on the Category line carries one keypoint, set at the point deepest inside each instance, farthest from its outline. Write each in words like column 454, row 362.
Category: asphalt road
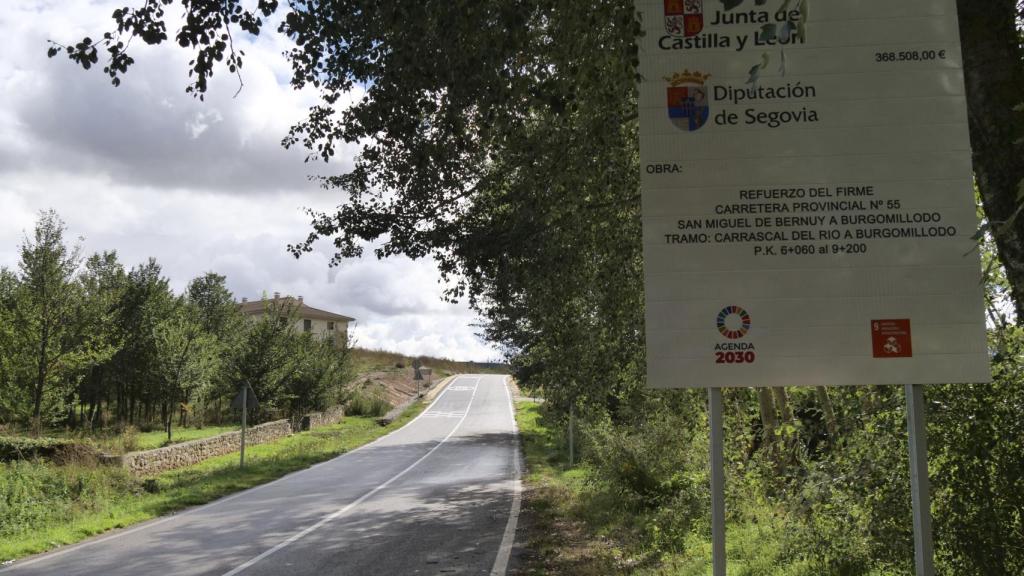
column 439, row 496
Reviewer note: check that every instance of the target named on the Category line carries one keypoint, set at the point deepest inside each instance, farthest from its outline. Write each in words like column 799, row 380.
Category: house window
column 307, row 325
column 330, row 326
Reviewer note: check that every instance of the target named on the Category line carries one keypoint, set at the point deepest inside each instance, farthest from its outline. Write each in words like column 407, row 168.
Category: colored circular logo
column 733, row 322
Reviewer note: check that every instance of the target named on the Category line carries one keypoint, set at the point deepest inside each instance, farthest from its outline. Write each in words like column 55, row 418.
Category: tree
column 48, row 305
column 214, row 304
column 994, row 74
column 220, row 318
column 185, row 358
column 103, row 283
column 265, row 356
column 319, row 376
column 146, row 302
column 13, row 397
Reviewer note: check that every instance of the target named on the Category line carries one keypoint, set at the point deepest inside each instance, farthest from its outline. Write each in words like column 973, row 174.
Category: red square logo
column 891, row 338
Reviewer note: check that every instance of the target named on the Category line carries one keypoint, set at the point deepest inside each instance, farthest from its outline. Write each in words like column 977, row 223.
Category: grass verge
column 576, row 524
column 563, row 535
column 44, row 506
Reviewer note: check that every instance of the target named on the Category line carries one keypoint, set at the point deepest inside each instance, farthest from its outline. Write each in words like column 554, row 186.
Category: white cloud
column 150, row 171
column 202, row 121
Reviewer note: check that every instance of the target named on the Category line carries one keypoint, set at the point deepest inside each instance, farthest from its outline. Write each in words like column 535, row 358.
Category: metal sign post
column 717, row 482
column 241, row 457
column 919, row 485
column 417, row 374
column 244, row 401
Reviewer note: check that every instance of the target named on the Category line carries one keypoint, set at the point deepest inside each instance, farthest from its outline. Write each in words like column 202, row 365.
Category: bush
column 129, row 439
column 655, row 462
column 367, row 403
column 33, row 494
column 14, row 448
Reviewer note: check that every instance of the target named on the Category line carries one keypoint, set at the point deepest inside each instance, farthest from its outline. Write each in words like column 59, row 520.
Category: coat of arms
column 684, row 17
column 688, row 106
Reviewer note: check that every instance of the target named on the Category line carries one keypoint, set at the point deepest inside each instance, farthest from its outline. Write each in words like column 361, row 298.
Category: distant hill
column 389, row 375
column 380, row 360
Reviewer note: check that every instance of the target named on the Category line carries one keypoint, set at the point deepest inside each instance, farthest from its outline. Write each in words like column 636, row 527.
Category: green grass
column 366, row 402
column 44, row 506
column 577, row 526
column 567, row 534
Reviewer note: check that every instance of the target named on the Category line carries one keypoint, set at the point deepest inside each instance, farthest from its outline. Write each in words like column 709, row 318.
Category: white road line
column 174, row 516
column 440, row 414
column 509, row 538
column 341, row 511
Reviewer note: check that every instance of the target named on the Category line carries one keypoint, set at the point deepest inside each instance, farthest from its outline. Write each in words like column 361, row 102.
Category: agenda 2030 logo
column 688, row 104
column 733, row 323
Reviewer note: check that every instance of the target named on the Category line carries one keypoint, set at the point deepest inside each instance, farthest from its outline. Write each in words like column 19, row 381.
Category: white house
column 307, row 319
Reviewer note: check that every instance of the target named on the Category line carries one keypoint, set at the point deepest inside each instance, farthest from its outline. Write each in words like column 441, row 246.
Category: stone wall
column 150, row 462
column 319, row 419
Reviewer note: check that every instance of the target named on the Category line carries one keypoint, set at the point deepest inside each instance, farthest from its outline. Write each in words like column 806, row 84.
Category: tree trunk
column 768, row 420
column 830, row 415
column 165, row 416
column 183, row 412
column 782, row 401
column 994, row 75
column 37, row 392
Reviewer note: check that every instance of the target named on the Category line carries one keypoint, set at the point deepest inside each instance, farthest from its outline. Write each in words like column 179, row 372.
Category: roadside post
column 417, row 376
column 241, row 453
column 917, row 431
column 428, row 376
column 808, row 208
column 245, row 400
column 717, row 481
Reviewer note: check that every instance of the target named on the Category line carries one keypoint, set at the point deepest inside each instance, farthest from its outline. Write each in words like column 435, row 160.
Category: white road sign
column 808, row 197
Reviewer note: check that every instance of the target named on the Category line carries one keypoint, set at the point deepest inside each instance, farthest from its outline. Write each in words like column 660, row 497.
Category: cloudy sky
column 150, row 171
